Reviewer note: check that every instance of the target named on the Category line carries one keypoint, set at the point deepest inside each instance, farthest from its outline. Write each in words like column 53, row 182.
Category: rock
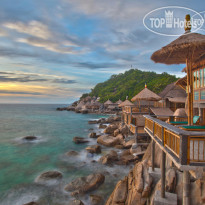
column 171, row 180
column 110, row 129
column 108, row 141
column 84, row 111
column 49, row 175
column 96, row 200
column 79, row 140
column 109, row 158
column 102, row 126
column 85, row 184
column 119, row 146
column 116, row 132
column 136, row 150
column 124, row 130
column 72, row 153
column 117, row 118
column 30, row 138
column 31, row 203
column 61, row 108
column 119, row 194
column 128, row 144
column 92, row 122
column 93, row 135
column 94, row 149
column 76, row 202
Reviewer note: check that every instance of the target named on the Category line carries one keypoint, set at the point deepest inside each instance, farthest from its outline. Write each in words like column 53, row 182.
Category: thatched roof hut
column 180, row 112
column 125, row 103
column 146, row 94
column 108, row 102
column 182, row 82
column 119, row 102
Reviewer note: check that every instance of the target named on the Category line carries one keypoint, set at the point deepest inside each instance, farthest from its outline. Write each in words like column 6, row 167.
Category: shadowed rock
column 79, row 140
column 49, row 176
column 30, row 138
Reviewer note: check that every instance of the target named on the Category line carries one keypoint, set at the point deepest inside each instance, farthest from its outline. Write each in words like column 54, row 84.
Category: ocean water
column 21, row 161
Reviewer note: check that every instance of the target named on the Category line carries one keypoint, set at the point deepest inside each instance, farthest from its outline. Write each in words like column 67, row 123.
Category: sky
column 53, row 51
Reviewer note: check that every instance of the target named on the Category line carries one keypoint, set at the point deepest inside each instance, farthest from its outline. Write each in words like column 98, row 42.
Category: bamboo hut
column 126, row 103
column 118, row 102
column 187, row 49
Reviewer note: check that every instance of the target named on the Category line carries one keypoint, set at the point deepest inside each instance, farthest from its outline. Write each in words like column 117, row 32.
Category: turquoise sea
column 21, row 161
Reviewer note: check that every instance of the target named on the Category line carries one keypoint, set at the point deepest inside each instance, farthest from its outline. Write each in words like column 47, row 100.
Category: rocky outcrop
column 134, row 189
column 94, row 149
column 86, row 184
column 49, row 175
column 93, row 135
column 102, row 126
column 80, row 140
column 108, row 141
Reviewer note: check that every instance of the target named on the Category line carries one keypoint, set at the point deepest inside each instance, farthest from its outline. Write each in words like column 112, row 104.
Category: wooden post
column 136, row 134
column 163, row 169
column 189, row 91
column 153, row 154
column 186, row 186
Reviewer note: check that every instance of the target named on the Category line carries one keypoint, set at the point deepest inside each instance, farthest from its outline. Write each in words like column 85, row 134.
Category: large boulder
column 110, row 129
column 85, row 184
column 102, row 126
column 124, row 129
column 109, row 158
column 49, row 175
column 116, row 132
column 108, row 141
column 94, row 149
column 129, row 144
column 79, row 140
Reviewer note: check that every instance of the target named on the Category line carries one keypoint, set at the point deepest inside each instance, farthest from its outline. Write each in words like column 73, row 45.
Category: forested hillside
column 129, row 84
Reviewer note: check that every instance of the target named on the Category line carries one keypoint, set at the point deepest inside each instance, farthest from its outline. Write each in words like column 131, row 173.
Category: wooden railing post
column 163, row 136
column 153, row 129
column 183, row 149
column 163, row 171
column 186, row 187
column 153, row 154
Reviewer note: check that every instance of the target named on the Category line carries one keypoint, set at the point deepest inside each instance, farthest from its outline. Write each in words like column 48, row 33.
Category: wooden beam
column 153, row 154
column 163, row 172
column 186, row 187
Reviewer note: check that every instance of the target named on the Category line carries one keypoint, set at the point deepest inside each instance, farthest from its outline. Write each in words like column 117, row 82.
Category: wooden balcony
column 184, row 147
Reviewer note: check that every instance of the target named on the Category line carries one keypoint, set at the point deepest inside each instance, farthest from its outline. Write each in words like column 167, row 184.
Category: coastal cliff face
column 139, row 186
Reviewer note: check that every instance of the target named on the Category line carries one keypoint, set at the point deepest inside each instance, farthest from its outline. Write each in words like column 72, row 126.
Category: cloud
column 26, row 77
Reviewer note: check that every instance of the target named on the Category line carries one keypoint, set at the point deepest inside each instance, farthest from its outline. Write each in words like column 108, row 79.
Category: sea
column 21, row 161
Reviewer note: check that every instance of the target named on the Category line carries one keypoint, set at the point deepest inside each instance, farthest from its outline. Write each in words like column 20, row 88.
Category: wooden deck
column 183, row 147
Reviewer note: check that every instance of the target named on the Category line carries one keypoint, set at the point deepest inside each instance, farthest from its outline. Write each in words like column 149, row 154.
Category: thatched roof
column 162, row 111
column 178, row 50
column 180, row 112
column 119, row 102
column 177, row 99
column 182, row 82
column 146, row 94
column 172, row 91
column 108, row 102
column 125, row 103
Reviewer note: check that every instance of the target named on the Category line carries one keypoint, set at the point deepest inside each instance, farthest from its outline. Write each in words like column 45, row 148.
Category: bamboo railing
column 187, row 146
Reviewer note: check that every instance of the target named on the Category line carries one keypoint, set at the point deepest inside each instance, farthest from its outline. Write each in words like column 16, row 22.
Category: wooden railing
column 135, row 109
column 187, row 146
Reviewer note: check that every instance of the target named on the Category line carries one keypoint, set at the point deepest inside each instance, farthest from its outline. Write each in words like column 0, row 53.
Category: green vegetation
column 129, row 84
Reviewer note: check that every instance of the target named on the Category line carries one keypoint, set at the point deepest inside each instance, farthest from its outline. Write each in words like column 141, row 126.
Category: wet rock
column 108, row 141
column 61, row 108
column 79, row 140
column 119, row 146
column 85, row 184
column 96, row 200
column 84, row 111
column 124, row 129
column 93, row 135
column 109, row 158
column 128, row 144
column 94, row 149
column 30, row 138
column 171, row 180
column 76, row 202
column 92, row 122
column 31, row 203
column 116, row 132
column 110, row 129
column 72, row 153
column 102, row 126
column 49, row 175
